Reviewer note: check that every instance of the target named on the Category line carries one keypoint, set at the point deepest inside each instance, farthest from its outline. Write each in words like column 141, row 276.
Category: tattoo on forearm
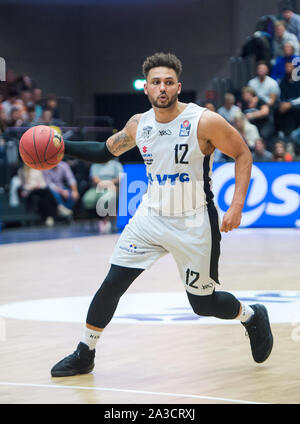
column 121, row 142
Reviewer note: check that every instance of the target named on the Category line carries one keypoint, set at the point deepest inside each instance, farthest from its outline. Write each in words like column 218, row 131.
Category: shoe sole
column 263, row 309
column 72, row 372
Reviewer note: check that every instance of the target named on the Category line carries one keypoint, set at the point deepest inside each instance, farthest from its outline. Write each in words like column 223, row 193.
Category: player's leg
column 197, row 260
column 137, row 249
column 219, row 304
column 224, row 305
column 105, row 301
column 100, row 313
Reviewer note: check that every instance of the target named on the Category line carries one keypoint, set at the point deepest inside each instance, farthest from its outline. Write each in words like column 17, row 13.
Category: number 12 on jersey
column 180, row 153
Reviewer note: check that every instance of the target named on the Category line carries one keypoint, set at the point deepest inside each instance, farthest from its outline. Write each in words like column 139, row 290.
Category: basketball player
column 177, row 141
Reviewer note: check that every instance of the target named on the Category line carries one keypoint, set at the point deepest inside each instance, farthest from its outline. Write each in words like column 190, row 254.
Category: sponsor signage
column 273, row 198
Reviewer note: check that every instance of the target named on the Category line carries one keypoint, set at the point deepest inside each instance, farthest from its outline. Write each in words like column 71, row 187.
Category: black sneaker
column 260, row 334
column 79, row 362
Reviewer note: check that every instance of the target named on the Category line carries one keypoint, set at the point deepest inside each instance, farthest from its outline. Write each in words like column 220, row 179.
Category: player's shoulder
column 210, row 121
column 134, row 120
column 131, row 125
column 209, row 117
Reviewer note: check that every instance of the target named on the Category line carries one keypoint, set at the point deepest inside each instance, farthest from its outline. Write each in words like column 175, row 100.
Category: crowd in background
column 266, row 112
column 69, row 187
column 22, row 103
column 54, row 194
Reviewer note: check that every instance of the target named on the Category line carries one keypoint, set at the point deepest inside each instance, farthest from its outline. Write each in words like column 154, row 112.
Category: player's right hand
column 231, row 219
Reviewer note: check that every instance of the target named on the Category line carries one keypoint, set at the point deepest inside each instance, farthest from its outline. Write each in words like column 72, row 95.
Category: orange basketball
column 41, row 147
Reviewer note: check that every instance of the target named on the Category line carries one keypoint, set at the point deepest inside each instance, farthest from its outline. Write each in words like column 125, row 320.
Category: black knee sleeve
column 219, row 304
column 105, row 301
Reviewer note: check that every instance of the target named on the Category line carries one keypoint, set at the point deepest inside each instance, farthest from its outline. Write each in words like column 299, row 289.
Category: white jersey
column 178, row 172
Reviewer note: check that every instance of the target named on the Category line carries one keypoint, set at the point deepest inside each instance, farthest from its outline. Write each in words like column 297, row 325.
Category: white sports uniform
column 177, row 214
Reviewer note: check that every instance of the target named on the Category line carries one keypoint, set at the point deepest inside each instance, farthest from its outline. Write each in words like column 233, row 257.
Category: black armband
column 91, row 151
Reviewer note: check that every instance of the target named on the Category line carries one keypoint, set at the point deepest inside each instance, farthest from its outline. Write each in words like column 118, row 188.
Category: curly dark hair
column 168, row 60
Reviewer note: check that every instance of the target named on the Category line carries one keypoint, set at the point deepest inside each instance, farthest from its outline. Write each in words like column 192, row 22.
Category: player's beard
column 163, row 105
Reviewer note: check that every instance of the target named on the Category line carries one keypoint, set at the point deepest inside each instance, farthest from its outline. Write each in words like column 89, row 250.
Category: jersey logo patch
column 165, row 132
column 185, row 129
column 148, row 159
column 147, row 132
column 171, row 178
column 132, row 248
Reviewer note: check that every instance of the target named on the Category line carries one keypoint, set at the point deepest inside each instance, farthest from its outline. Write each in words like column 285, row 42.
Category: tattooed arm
column 124, row 140
column 116, row 145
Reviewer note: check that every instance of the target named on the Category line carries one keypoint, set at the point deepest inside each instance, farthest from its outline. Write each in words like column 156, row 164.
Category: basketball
column 41, row 147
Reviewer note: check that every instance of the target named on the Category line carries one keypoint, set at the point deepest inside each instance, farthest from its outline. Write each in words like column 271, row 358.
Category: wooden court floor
column 146, row 362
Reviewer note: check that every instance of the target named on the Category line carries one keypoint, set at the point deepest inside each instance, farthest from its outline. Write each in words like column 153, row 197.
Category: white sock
column 91, row 337
column 246, row 313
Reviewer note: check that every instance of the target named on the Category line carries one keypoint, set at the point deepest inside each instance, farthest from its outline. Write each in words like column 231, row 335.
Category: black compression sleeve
column 105, row 301
column 91, row 151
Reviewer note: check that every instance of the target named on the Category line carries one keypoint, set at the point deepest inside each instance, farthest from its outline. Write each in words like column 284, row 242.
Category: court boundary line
column 107, row 389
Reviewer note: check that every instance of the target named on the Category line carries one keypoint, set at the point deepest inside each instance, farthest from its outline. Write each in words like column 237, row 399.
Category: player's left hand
column 231, row 219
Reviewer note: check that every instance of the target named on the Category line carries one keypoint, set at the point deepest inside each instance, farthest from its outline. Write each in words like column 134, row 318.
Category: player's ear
column 145, row 88
column 179, row 88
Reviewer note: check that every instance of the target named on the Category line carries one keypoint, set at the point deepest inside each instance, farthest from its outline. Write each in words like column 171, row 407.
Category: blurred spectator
column 14, row 187
column 31, row 120
column 3, row 120
column 248, row 131
column 280, row 154
column 36, row 194
column 258, row 45
column 105, row 179
column 292, row 21
column 281, row 37
column 23, row 82
column 51, row 104
column 37, row 100
column 15, row 118
column 11, row 102
column 63, row 185
column 265, row 87
column 46, row 117
column 229, row 109
column 210, row 106
column 278, row 69
column 258, row 113
column 81, row 171
column 295, row 138
column 266, row 25
column 260, row 154
column 16, row 82
column 288, row 115
column 26, row 96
